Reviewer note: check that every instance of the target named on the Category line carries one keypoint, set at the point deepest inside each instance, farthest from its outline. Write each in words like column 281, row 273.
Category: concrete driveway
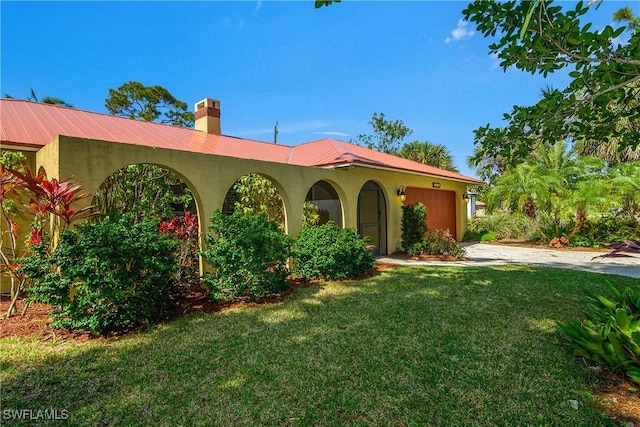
column 482, row 254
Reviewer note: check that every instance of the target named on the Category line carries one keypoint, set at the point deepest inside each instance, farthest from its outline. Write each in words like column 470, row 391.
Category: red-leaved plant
column 51, row 207
column 185, row 228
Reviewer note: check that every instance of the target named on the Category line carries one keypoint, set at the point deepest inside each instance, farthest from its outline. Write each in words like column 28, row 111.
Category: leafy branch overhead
column 148, row 103
column 602, row 101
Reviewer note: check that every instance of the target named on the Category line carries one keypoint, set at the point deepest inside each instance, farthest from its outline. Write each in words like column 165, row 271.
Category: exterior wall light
column 402, row 194
column 465, row 196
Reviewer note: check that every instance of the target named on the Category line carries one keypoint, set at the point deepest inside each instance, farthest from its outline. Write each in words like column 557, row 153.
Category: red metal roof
column 32, row 124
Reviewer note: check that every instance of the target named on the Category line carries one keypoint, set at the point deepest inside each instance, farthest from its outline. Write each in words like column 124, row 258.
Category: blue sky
column 318, row 72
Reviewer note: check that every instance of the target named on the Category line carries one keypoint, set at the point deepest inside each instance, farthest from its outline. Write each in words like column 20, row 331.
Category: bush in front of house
column 331, row 252
column 437, row 242
column 249, row 257
column 413, row 225
column 184, row 228
column 108, row 276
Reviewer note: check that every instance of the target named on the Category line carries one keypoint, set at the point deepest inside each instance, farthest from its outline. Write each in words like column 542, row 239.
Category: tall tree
column 427, row 153
column 488, row 168
column 540, row 37
column 387, row 135
column 148, row 103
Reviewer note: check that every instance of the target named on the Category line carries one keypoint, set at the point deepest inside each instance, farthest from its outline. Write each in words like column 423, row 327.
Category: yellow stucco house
column 358, row 186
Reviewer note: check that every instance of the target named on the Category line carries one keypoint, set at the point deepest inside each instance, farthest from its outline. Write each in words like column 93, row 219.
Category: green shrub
column 608, row 230
column 610, row 333
column 473, row 235
column 413, row 225
column 248, row 254
column 505, row 226
column 331, row 252
column 437, row 242
column 489, row 236
column 107, row 276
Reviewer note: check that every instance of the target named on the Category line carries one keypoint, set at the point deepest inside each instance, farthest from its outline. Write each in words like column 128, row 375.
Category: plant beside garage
column 417, row 239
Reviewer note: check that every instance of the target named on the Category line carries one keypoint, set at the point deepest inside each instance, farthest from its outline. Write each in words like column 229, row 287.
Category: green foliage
column 489, row 236
column 248, row 254
column 553, row 182
column 504, row 226
column 437, row 242
column 254, row 194
column 610, row 332
column 149, row 103
column 613, row 228
column 310, row 214
column 320, row 3
column 413, row 225
column 144, row 190
column 387, row 134
column 427, row 153
column 600, row 102
column 331, row 252
column 106, row 276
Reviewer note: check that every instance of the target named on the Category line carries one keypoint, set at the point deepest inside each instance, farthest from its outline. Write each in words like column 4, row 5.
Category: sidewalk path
column 482, row 254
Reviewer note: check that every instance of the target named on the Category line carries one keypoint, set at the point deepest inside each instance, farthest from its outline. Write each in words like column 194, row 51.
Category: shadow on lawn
column 236, row 365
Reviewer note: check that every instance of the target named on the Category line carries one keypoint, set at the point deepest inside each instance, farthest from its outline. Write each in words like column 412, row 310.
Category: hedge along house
column 359, row 187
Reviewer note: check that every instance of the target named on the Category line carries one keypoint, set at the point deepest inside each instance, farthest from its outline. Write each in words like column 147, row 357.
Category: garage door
column 441, row 207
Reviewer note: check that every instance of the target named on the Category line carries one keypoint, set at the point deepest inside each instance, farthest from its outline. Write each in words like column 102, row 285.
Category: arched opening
column 322, row 205
column 253, row 194
column 372, row 216
column 146, row 191
column 152, row 192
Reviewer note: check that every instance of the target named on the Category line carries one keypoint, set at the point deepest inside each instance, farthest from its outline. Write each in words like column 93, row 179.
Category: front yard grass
column 411, row 346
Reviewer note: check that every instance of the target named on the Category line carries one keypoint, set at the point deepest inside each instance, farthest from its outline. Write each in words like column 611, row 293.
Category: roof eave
column 347, row 165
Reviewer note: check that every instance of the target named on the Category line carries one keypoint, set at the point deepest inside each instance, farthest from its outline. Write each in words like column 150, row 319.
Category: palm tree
column 526, row 188
column 553, row 180
column 45, row 100
column 427, row 153
column 608, row 148
column 487, row 168
column 625, row 180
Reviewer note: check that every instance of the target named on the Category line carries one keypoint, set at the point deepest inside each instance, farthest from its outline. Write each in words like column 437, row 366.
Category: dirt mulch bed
column 618, row 397
column 37, row 323
column 400, row 255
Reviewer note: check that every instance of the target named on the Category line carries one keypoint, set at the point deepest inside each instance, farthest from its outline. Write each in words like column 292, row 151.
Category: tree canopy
column 427, row 153
column 602, row 101
column 387, row 135
column 149, row 103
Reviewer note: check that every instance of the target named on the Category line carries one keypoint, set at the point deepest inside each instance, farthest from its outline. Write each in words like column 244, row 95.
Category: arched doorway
column 153, row 192
column 146, row 191
column 254, row 194
column 327, row 204
column 372, row 216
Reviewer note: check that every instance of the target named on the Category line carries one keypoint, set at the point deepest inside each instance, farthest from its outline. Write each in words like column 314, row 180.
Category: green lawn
column 412, row 346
